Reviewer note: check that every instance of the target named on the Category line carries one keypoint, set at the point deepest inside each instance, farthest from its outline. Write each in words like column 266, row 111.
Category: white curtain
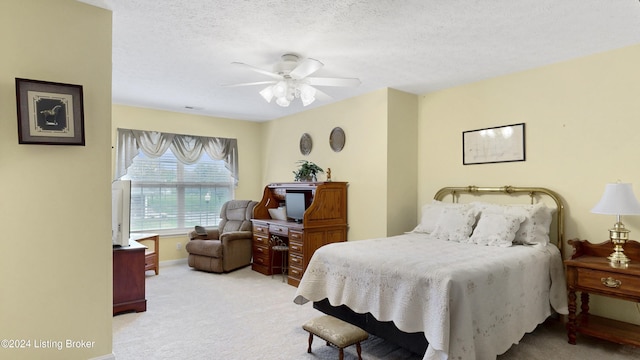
column 186, row 148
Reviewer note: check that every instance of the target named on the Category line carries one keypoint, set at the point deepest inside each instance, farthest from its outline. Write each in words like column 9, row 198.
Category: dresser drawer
column 260, row 241
column 260, row 257
column 295, row 247
column 608, row 281
column 262, row 229
column 296, row 261
column 295, row 273
column 295, row 236
column 278, row 230
column 261, row 251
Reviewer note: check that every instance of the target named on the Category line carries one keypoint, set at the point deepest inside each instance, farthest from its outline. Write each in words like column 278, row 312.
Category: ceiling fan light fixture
column 290, row 81
column 267, row 93
column 280, row 89
column 307, row 94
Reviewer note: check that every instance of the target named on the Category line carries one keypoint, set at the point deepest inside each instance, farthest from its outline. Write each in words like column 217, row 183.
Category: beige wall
column 55, row 267
column 249, row 149
column 363, row 162
column 582, row 131
column 402, row 162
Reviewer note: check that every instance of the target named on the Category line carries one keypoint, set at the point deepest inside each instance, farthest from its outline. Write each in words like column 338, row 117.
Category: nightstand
column 589, row 272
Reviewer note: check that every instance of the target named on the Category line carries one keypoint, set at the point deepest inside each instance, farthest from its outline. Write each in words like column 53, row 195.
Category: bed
column 467, row 283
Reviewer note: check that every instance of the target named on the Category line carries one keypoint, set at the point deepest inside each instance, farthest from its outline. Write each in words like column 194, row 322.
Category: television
column 297, row 202
column 120, row 212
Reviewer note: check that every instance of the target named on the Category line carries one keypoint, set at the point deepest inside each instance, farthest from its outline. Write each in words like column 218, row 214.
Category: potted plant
column 307, row 171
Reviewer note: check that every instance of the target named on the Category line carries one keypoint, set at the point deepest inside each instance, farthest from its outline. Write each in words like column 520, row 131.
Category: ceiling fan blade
column 323, row 96
column 306, row 68
column 347, row 82
column 258, row 70
column 251, row 83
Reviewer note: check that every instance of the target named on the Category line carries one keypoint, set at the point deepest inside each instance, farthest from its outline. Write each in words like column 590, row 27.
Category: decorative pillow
column 496, row 229
column 535, row 228
column 431, row 214
column 455, row 224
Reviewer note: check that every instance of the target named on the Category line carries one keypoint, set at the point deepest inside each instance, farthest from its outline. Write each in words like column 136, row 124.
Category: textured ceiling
column 173, row 54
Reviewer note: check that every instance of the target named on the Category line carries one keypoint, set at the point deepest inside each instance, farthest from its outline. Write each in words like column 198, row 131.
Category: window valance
column 186, row 148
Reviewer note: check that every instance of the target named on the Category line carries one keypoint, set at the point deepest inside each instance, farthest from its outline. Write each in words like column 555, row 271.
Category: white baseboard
column 173, row 262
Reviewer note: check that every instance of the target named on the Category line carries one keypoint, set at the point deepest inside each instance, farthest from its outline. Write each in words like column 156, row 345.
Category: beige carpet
column 246, row 315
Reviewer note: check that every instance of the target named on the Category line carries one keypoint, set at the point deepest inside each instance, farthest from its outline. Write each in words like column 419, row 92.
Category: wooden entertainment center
column 324, row 222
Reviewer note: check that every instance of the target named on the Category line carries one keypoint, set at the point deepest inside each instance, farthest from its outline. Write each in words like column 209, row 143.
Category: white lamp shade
column 618, row 199
column 307, row 94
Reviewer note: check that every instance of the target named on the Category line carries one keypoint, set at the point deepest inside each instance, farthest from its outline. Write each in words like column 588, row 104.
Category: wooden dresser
column 325, row 221
column 589, row 272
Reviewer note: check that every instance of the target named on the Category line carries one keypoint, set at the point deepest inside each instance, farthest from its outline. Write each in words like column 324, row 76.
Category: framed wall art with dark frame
column 49, row 113
column 493, row 145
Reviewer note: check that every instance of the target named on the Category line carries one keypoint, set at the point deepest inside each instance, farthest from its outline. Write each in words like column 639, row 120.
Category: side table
column 151, row 254
column 589, row 272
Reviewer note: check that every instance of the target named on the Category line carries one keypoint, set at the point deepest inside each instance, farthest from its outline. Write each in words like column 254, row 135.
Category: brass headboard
column 511, row 190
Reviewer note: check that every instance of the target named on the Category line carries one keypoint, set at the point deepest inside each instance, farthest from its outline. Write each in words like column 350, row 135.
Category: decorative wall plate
column 337, row 139
column 305, row 144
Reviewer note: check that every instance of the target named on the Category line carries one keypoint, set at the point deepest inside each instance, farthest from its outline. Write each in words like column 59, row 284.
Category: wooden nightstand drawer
column 608, row 282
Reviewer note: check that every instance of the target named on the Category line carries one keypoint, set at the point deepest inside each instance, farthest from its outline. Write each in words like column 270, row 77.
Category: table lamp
column 618, row 199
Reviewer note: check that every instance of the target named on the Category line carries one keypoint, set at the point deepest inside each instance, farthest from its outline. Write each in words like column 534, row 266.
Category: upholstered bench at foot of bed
column 337, row 332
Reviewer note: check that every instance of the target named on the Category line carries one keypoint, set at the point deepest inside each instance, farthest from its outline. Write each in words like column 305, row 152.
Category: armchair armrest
column 235, row 235
column 212, row 234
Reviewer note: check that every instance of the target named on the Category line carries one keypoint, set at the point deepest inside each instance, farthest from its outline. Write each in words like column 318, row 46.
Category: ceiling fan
column 290, row 80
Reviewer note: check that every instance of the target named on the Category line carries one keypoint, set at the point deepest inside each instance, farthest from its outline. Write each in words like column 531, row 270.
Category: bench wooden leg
column 341, row 354
column 310, row 342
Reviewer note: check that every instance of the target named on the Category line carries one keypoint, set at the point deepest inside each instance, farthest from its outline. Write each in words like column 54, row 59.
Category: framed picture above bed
column 493, row 145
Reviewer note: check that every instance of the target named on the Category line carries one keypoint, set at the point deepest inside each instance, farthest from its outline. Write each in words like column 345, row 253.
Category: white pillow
column 535, row 228
column 496, row 229
column 455, row 224
column 431, row 213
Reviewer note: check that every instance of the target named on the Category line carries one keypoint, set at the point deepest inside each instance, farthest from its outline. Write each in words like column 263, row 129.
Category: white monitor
column 120, row 212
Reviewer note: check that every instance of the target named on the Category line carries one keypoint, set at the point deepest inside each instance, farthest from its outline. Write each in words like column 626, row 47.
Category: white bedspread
column 471, row 301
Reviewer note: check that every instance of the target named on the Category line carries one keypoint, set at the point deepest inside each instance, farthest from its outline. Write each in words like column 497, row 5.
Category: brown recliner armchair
column 228, row 246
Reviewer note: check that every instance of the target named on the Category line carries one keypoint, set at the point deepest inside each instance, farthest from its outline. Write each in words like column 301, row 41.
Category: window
column 167, row 194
